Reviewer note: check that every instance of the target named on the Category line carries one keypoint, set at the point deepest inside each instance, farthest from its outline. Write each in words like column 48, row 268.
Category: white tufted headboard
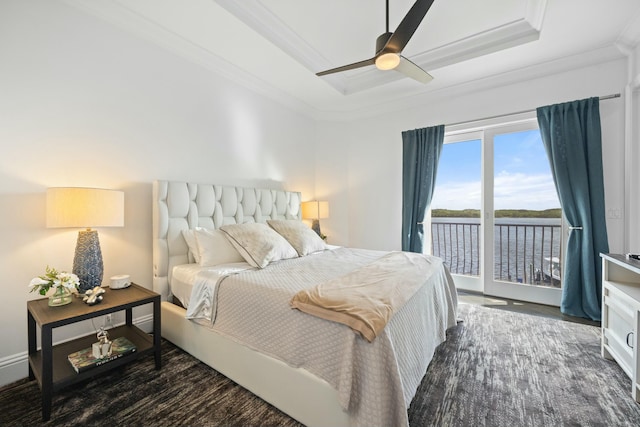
column 182, row 205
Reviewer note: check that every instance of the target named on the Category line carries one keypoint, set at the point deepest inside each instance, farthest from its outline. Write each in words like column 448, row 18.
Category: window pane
column 455, row 207
column 528, row 219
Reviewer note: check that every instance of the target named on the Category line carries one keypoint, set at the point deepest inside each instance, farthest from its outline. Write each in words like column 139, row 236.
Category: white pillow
column 303, row 239
column 258, row 244
column 214, row 248
column 190, row 237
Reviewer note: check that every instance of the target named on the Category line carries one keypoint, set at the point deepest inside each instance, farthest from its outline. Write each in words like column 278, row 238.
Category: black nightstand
column 50, row 367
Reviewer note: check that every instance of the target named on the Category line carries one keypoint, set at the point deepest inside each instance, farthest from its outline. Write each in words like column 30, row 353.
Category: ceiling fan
column 389, row 46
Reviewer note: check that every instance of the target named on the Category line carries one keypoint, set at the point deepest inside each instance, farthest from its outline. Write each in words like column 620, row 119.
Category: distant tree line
column 500, row 213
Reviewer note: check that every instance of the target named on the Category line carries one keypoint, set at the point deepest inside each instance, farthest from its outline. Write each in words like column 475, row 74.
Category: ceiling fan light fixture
column 387, row 61
column 389, row 46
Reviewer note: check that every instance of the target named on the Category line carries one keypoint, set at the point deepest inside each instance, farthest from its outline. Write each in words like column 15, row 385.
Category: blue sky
column 522, row 177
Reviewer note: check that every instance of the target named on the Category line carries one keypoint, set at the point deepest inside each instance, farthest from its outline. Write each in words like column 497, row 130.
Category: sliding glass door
column 455, row 214
column 495, row 216
column 526, row 248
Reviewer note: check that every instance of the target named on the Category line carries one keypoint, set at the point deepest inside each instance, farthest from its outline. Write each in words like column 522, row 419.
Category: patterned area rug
column 497, row 368
column 501, row 368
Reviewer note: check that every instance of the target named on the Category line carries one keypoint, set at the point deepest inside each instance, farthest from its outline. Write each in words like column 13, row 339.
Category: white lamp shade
column 315, row 210
column 84, row 207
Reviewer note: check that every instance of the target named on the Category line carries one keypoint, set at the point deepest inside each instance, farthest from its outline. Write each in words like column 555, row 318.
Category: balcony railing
column 523, row 252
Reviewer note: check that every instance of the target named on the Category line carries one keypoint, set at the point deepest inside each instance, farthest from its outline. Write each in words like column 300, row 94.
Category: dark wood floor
column 520, row 307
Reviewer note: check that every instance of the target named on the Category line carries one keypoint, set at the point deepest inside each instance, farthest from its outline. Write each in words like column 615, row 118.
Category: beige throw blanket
column 368, row 297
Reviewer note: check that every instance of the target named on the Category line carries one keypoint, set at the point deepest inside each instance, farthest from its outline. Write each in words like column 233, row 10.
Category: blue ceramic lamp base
column 87, row 261
column 315, row 226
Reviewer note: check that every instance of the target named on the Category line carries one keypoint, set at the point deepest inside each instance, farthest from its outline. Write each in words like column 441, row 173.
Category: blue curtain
column 572, row 138
column 421, row 150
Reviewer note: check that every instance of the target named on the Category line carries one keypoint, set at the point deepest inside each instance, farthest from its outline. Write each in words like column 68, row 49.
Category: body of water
column 523, row 247
column 504, row 221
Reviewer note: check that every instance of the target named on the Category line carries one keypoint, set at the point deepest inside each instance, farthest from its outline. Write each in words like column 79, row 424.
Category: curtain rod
column 602, row 98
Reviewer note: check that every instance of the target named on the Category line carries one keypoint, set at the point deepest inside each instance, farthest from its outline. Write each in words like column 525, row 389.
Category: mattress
column 375, row 381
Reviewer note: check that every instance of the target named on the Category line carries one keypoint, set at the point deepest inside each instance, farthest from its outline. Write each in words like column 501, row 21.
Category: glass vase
column 61, row 296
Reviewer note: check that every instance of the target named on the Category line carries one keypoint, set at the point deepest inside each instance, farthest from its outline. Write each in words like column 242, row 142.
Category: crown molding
column 259, row 18
column 630, row 35
column 534, row 12
column 509, row 34
column 493, row 40
column 118, row 14
column 526, row 29
column 413, row 101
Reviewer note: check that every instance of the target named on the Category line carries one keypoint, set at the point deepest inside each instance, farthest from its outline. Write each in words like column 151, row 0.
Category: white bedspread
column 375, row 381
column 203, row 300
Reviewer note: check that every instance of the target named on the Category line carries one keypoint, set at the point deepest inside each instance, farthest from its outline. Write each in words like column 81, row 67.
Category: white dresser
column 621, row 315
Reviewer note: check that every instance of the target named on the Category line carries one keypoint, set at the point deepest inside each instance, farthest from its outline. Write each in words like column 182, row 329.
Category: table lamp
column 86, row 208
column 315, row 210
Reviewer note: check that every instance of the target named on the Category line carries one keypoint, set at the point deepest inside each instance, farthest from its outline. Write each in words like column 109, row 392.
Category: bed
column 317, row 371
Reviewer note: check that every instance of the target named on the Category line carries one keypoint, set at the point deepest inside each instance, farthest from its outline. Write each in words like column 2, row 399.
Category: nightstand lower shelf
column 63, row 372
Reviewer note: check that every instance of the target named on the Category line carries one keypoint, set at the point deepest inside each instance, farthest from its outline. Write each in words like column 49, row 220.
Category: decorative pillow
column 190, row 237
column 214, row 248
column 303, row 239
column 258, row 244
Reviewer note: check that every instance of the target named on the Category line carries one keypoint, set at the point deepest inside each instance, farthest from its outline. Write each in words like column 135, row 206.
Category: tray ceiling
column 275, row 47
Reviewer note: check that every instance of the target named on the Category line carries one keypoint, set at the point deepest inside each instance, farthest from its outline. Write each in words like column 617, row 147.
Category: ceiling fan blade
column 408, row 26
column 410, row 69
column 353, row 66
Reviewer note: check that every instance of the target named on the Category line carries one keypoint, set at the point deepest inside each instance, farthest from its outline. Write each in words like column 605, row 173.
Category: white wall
column 332, row 180
column 632, row 136
column 374, row 146
column 85, row 104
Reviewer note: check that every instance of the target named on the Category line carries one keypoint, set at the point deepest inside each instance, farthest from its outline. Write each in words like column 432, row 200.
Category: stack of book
column 84, row 359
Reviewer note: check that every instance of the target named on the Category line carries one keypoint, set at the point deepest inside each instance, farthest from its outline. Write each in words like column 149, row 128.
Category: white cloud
column 457, row 195
column 521, row 191
column 511, row 191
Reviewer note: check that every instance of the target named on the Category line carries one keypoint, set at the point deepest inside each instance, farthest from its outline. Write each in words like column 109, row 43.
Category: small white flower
column 53, row 279
column 68, row 280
